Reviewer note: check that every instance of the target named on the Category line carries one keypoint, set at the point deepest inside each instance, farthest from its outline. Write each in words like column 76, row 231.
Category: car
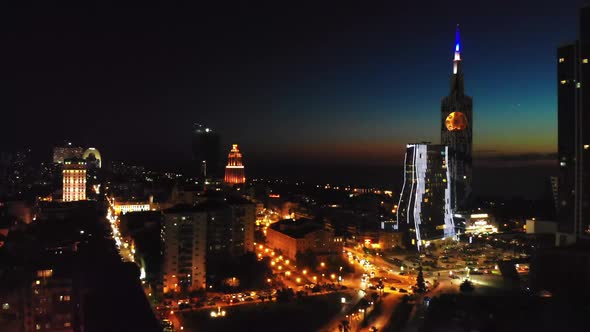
column 184, row 306
column 401, row 290
column 392, row 288
column 372, row 287
column 211, row 303
column 402, row 273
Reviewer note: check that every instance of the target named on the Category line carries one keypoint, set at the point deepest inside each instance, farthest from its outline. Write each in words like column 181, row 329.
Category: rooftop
column 296, row 228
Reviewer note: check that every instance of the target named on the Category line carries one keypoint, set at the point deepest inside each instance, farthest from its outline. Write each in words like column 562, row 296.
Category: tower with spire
column 457, row 132
column 234, row 171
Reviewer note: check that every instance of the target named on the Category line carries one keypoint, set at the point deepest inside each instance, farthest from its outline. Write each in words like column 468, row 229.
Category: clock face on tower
column 456, row 121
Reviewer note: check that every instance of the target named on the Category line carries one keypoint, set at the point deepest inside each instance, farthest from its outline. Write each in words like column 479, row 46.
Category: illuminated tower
column 74, row 180
column 234, row 171
column 424, row 209
column 457, row 132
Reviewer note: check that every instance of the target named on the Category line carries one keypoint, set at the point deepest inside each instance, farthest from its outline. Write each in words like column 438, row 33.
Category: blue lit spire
column 457, row 78
column 457, row 51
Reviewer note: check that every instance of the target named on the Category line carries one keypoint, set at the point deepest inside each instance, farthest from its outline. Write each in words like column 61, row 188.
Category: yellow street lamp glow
column 268, row 280
column 298, row 280
column 280, row 267
column 287, row 262
column 260, row 247
column 323, row 264
column 333, row 276
column 272, row 263
column 315, row 278
column 304, row 272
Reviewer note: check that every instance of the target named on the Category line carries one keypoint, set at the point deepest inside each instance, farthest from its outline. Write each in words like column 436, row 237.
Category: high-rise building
column 424, row 210
column 206, row 150
column 244, row 221
column 457, row 132
column 185, row 241
column 234, row 171
column 74, row 180
column 573, row 142
column 69, row 151
column 198, row 240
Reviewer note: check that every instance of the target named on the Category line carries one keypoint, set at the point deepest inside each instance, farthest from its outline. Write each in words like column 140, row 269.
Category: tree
column 466, row 286
column 374, row 297
column 420, row 285
column 344, row 326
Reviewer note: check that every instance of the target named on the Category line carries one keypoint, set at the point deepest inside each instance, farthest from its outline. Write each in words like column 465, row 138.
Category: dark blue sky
column 288, row 81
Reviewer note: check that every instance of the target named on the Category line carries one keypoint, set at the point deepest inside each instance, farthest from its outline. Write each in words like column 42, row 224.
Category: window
column 563, row 81
column 578, row 85
column 561, row 60
column 584, row 60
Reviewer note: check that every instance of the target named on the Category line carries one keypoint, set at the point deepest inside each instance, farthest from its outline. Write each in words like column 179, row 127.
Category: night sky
column 291, row 82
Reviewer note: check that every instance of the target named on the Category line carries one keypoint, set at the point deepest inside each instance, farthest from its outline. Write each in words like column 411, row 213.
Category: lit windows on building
column 425, row 211
column 561, row 60
column 74, row 180
column 584, row 60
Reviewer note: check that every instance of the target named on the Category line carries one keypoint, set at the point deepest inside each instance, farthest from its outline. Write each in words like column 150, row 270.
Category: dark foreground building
column 573, row 142
column 63, row 273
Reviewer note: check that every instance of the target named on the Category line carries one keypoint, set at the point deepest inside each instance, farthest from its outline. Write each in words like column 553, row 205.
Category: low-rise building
column 292, row 236
column 122, row 207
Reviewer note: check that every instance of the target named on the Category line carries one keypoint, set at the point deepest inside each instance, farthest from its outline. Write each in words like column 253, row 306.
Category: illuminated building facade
column 303, row 235
column 234, row 171
column 126, row 207
column 206, row 150
column 573, row 137
column 424, row 211
column 61, row 153
column 185, row 247
column 457, row 132
column 476, row 223
column 74, row 180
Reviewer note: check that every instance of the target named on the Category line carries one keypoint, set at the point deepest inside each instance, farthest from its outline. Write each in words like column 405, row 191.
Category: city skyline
column 354, row 100
column 268, row 166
